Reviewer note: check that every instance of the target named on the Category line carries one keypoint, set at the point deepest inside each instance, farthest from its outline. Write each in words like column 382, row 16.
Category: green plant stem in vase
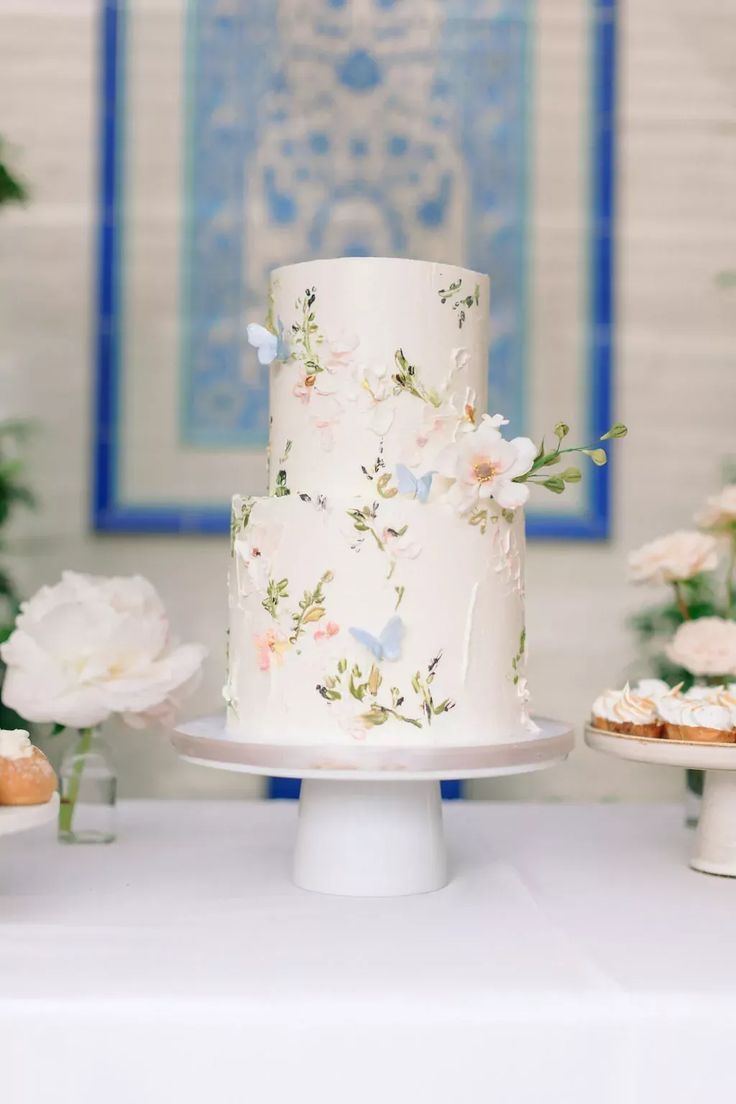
column 88, row 791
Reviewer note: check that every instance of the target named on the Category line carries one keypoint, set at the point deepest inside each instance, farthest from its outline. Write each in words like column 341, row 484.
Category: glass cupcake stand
column 19, row 818
column 715, row 839
column 370, row 818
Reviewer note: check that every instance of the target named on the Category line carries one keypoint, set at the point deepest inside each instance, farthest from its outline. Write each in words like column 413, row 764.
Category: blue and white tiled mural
column 330, row 127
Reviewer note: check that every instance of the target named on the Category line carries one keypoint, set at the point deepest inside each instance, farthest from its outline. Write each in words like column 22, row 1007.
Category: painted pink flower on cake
column 678, row 556
column 255, row 549
column 327, row 421
column 398, row 544
column 705, row 647
column 483, row 465
column 340, row 350
column 331, row 629
column 344, row 711
column 302, row 391
column 271, row 646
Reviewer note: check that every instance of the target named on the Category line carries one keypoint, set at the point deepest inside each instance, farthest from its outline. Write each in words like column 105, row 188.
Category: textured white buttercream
column 451, row 602
column 363, row 607
column 349, row 415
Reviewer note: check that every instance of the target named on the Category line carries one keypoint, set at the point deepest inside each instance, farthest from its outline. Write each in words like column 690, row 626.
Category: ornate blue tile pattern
column 330, row 127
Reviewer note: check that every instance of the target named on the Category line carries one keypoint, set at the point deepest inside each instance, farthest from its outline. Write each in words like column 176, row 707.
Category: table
column 573, row 958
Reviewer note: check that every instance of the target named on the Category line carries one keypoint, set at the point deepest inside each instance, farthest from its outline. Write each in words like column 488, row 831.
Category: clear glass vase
column 88, row 786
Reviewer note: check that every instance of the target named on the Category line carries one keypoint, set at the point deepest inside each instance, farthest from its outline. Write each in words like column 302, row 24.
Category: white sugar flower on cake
column 371, row 386
column 720, row 511
column 92, row 646
column 440, row 426
column 674, row 558
column 706, row 647
column 484, row 465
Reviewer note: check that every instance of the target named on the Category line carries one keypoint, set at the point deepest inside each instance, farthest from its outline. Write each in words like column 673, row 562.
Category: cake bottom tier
column 387, row 622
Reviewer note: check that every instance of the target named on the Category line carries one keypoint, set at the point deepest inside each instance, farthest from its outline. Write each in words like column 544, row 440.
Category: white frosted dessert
column 702, row 715
column 376, row 594
column 631, row 712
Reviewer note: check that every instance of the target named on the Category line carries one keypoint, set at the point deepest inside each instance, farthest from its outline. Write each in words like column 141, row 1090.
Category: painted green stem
column 69, row 799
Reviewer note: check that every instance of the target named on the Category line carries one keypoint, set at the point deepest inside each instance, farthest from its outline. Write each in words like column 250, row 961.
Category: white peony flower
column 92, row 646
column 483, row 465
column 254, row 551
column 720, row 510
column 678, row 556
column 705, row 647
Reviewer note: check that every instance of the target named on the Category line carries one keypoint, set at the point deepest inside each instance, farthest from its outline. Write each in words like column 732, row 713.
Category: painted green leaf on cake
column 460, row 298
column 406, row 378
column 364, row 688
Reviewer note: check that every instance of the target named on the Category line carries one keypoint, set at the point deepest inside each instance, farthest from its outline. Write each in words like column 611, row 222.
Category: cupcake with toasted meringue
column 603, row 714
column 703, row 715
column 631, row 712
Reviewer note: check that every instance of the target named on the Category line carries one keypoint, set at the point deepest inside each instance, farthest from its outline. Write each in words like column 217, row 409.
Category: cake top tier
column 378, row 362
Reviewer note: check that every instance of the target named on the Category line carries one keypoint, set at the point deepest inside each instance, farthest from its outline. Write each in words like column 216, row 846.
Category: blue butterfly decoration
column 270, row 346
column 385, row 646
column 409, row 484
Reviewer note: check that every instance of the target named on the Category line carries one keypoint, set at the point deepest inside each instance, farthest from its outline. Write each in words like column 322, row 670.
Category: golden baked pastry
column 26, row 776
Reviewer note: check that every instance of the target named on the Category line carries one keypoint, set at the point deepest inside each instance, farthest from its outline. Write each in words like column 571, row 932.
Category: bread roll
column 26, row 776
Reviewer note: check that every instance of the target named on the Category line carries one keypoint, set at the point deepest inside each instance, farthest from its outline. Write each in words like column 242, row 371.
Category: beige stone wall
column 675, row 378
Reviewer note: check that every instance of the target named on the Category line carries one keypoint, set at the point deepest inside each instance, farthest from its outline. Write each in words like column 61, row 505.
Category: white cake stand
column 19, row 818
column 715, row 840
column 370, row 818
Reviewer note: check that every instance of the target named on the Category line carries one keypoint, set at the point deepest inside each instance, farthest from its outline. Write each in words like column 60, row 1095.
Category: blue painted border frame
column 109, row 514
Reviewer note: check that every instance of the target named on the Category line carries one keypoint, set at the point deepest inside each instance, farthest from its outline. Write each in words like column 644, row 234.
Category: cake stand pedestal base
column 370, row 839
column 715, row 840
column 370, row 818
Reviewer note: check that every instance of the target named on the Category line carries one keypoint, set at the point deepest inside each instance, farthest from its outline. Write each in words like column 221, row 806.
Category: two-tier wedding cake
column 377, row 592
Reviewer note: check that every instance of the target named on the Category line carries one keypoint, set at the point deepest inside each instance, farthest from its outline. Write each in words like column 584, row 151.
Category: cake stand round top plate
column 668, row 753
column 19, row 818
column 206, row 743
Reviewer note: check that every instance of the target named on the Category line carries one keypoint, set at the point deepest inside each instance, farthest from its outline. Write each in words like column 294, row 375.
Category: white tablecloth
column 574, row 958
